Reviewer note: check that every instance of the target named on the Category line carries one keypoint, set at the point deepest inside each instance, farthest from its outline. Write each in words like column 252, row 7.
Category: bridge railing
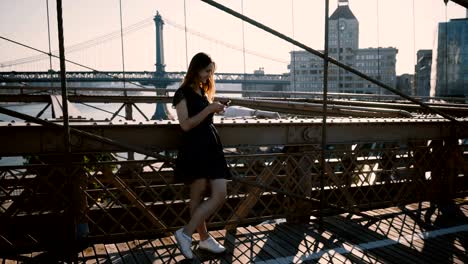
column 275, row 166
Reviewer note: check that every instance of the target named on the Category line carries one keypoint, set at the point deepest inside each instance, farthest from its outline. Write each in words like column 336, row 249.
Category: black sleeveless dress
column 201, row 153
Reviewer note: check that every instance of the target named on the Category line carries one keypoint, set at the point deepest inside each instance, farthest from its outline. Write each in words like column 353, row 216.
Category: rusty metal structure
column 303, row 166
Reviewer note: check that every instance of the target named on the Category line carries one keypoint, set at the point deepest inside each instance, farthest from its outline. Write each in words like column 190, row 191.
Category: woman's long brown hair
column 199, row 62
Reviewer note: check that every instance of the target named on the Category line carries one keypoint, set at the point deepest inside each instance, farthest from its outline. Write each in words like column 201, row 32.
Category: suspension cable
column 414, row 34
column 330, row 59
column 69, row 61
column 85, row 44
column 446, row 49
column 185, row 32
column 378, row 47
column 50, row 49
column 243, row 38
column 293, row 75
column 122, row 45
column 223, row 43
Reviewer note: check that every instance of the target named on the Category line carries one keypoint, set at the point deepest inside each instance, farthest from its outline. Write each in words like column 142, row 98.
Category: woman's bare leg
column 206, row 208
column 197, row 189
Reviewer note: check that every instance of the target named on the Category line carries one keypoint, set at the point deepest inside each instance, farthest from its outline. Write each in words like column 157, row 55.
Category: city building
column 449, row 73
column 422, row 73
column 306, row 69
column 405, row 83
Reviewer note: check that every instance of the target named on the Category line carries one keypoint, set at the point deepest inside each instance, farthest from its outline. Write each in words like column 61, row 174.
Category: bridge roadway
column 407, row 234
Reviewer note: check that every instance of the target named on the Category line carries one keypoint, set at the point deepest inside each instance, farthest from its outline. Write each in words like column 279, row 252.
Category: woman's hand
column 216, row 107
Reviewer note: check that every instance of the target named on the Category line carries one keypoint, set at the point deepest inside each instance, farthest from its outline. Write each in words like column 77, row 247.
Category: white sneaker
column 184, row 242
column 211, row 245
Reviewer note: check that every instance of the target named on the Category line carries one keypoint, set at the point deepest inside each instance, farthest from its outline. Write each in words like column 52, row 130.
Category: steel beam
column 20, row 138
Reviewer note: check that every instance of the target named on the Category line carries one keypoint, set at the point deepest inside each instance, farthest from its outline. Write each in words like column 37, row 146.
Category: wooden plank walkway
column 397, row 235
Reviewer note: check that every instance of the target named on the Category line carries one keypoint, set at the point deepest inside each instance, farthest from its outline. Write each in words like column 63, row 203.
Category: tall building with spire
column 306, row 69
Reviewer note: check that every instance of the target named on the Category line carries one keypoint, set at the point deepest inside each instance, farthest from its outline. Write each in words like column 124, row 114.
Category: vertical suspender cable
column 50, row 49
column 243, row 39
column 293, row 75
column 446, row 52
column 185, row 30
column 414, row 34
column 122, row 46
column 378, row 47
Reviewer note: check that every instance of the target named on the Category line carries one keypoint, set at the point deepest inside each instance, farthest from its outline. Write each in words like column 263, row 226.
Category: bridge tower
column 161, row 110
column 160, row 66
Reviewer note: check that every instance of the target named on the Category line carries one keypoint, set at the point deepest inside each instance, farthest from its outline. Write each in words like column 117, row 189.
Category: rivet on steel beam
column 9, row 124
column 95, row 124
column 107, row 119
column 91, row 119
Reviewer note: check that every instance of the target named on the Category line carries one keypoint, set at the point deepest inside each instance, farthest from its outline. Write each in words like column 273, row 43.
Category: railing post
column 324, row 121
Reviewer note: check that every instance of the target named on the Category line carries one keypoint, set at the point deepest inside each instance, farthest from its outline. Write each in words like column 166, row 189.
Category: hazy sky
column 25, row 21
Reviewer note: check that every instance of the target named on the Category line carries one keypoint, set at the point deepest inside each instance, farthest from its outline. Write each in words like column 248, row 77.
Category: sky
column 408, row 25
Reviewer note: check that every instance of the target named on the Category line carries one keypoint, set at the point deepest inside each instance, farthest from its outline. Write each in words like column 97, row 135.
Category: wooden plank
column 125, row 253
column 353, row 253
column 280, row 240
column 386, row 233
column 162, row 251
column 267, row 250
column 399, row 228
column 358, row 234
column 112, row 252
column 101, row 253
column 434, row 245
column 142, row 251
column 171, row 245
column 88, row 256
column 237, row 246
column 205, row 256
column 320, row 245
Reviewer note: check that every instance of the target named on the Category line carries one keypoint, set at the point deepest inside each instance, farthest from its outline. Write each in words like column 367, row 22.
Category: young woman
column 200, row 160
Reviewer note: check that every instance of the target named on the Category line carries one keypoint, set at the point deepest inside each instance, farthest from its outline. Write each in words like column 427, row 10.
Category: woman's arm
column 187, row 123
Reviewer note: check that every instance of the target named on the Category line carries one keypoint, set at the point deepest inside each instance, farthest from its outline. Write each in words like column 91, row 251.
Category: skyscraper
column 422, row 73
column 449, row 73
column 307, row 69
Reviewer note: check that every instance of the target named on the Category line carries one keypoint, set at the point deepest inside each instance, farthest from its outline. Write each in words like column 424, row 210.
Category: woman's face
column 206, row 72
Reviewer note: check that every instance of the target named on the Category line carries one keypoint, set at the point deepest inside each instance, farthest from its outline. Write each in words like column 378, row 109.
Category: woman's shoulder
column 181, row 93
column 183, row 89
